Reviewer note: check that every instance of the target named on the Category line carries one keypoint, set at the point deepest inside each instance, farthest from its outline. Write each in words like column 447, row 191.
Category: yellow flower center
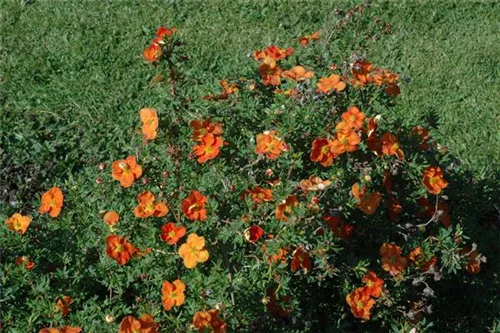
column 171, row 234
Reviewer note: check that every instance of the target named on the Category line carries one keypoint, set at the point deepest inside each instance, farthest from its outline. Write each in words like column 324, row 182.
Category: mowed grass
column 73, row 78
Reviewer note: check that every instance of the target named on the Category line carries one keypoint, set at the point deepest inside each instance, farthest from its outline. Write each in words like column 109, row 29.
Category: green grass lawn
column 70, row 71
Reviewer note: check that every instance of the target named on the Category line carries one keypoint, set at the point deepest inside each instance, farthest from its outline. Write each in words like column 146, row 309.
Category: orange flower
column 194, row 206
column 307, row 38
column 63, row 329
column 253, row 234
column 387, row 78
column 314, row 183
column 152, row 53
column 126, row 171
column 145, row 324
column 297, row 73
column 24, row 260
column 277, row 257
column 52, row 202
column 272, row 52
column 147, row 207
column 392, row 261
column 63, row 304
column 193, row 251
column 258, row 194
column 270, row 73
column 170, row 233
column 172, row 294
column 149, row 119
column 430, row 210
column 347, row 139
column 18, row 222
column 354, row 117
column 278, row 307
column 119, row 249
column 391, row 146
column 322, row 151
column 473, row 265
column 286, row 208
column 367, row 202
column 361, row 71
column 227, row 89
column 208, row 149
column 163, row 32
column 339, row 227
column 203, row 127
column 422, row 135
column 111, row 217
column 209, row 322
column 331, row 83
column 417, row 257
column 433, row 180
column 301, row 259
column 360, row 303
column 373, row 284
column 270, row 144
column 394, row 208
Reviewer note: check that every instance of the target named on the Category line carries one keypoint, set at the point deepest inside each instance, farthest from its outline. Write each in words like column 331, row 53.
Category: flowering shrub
column 283, row 203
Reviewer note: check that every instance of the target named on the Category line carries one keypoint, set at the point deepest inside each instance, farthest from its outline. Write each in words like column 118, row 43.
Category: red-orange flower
column 429, row 210
column 62, row 329
column 208, row 149
column 331, row 83
column 272, row 52
column 144, row 324
column 253, row 234
column 367, row 202
column 126, row 171
column 433, row 180
column 361, row 303
column 24, row 260
column 300, row 259
column 147, row 207
column 270, row 73
column 391, row 146
column 18, row 223
column 111, row 217
column 170, row 233
column 52, row 202
column 163, row 32
column 322, row 151
column 193, row 251
column 417, row 257
column 270, row 144
column 203, row 127
column 275, row 258
column 297, row 73
column 373, row 284
column 63, row 304
column 354, row 117
column 259, row 194
column 194, row 206
column 278, row 307
column 172, row 294
column 361, row 71
column 119, row 249
column 392, row 261
column 339, row 228
column 286, row 208
column 209, row 322
column 307, row 38
column 473, row 265
column 149, row 119
column 422, row 135
column 152, row 53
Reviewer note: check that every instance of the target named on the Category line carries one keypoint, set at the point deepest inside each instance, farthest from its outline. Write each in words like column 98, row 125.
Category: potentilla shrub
column 283, row 202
